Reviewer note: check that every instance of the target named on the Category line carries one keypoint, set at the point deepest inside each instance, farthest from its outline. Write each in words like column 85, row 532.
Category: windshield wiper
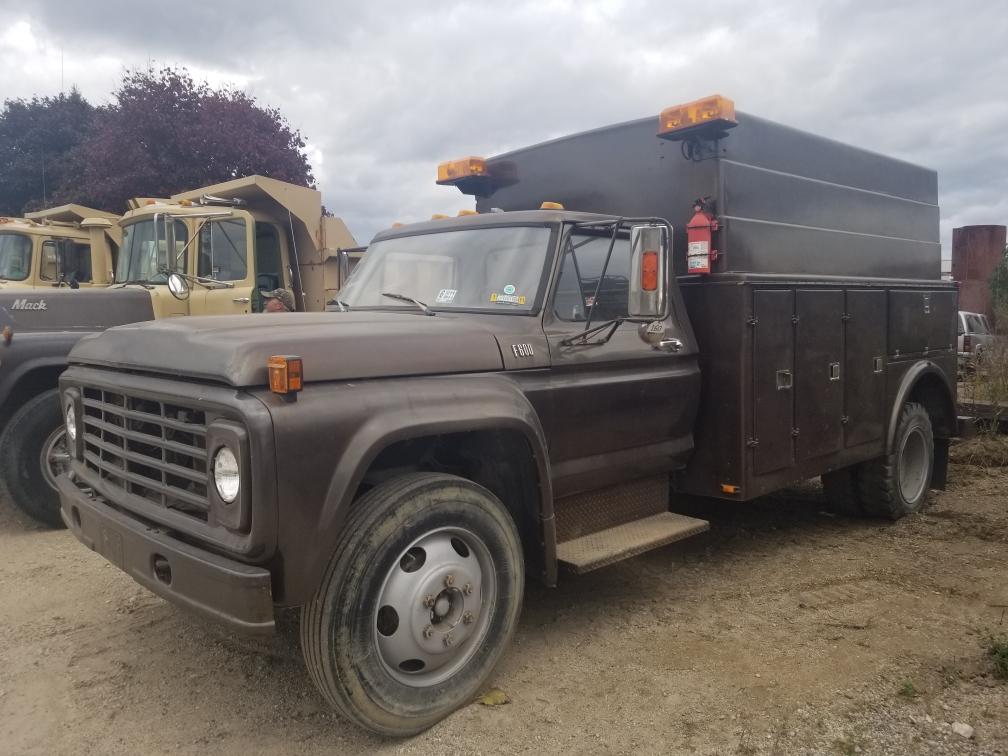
column 134, row 283
column 403, row 298
column 343, row 306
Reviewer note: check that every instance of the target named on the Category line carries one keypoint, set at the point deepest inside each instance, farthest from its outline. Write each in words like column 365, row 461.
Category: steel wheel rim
column 55, row 457
column 913, row 465
column 434, row 610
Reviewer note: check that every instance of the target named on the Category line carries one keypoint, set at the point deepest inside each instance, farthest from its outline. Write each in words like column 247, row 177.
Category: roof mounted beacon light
column 708, row 118
column 475, row 176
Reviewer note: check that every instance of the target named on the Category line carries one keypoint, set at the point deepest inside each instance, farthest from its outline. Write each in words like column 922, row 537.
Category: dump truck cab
column 232, row 242
column 226, row 246
column 70, row 245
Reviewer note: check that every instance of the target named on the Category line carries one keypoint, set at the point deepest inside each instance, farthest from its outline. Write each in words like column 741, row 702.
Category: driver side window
column 583, row 260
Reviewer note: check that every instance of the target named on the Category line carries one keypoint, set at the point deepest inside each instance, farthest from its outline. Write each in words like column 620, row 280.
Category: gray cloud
column 385, row 90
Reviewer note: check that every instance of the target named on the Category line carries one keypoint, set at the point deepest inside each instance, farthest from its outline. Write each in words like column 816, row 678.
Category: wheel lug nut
column 467, row 589
column 428, row 631
column 467, row 618
column 449, row 581
column 448, row 640
column 428, row 601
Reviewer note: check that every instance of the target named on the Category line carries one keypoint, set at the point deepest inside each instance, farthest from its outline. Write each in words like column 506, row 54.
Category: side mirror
column 178, row 286
column 649, row 256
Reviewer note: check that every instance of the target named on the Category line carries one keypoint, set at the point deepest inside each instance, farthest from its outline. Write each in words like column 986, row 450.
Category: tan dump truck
column 69, row 245
column 222, row 247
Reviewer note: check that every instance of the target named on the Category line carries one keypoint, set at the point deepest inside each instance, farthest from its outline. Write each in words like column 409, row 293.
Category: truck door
column 270, row 253
column 619, row 410
column 222, row 254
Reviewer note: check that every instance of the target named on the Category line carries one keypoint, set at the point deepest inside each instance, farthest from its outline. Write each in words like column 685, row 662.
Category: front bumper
column 235, row 594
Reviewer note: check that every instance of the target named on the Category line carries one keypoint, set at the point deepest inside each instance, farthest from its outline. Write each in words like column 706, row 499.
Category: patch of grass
column 984, row 450
column 997, row 650
column 907, row 689
column 847, row 746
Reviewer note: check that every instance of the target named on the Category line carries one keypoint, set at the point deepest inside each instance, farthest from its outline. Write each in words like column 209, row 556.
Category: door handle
column 669, row 345
column 241, row 300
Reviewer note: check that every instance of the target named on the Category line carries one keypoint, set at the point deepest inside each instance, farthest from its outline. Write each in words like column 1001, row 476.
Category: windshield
column 475, row 269
column 144, row 257
column 15, row 257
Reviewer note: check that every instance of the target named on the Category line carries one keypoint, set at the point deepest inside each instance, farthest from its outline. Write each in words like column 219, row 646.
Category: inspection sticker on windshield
column 446, row 296
column 507, row 297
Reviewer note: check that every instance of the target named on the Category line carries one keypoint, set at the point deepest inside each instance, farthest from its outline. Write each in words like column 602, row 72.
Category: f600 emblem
column 522, row 350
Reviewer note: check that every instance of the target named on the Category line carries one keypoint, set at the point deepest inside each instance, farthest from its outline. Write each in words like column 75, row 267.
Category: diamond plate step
column 589, row 552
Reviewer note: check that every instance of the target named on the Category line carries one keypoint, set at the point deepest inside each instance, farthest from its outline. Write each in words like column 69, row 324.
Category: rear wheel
column 33, row 452
column 419, row 601
column 897, row 484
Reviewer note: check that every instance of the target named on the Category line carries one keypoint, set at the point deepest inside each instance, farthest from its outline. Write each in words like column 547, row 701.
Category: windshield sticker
column 446, row 296
column 507, row 298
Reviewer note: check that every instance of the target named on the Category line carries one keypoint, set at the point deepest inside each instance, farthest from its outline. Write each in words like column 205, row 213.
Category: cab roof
column 483, row 220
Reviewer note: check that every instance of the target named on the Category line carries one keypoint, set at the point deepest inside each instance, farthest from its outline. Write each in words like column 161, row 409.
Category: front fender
column 28, row 353
column 327, row 439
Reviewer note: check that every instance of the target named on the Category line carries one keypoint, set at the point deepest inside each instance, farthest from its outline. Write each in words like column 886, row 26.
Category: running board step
column 589, row 552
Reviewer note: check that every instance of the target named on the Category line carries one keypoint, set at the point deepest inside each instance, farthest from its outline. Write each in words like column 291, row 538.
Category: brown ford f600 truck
column 523, row 392
column 227, row 245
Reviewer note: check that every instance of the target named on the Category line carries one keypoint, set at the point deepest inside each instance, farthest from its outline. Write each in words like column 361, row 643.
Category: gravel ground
column 783, row 630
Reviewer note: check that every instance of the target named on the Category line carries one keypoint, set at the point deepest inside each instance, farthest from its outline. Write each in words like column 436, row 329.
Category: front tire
column 419, row 601
column 32, row 453
column 897, row 484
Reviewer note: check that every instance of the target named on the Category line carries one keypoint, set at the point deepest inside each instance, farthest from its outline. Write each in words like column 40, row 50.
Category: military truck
column 226, row 245
column 525, row 391
column 69, row 245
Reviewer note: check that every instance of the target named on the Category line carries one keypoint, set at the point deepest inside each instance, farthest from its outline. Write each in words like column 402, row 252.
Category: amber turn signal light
column 285, row 374
column 715, row 109
column 453, row 170
column 649, row 271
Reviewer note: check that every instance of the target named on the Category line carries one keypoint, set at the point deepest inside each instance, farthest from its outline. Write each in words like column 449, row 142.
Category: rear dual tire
column 894, row 485
column 419, row 602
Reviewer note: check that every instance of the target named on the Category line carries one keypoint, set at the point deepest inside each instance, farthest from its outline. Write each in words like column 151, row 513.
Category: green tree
column 167, row 132
column 999, row 293
column 37, row 138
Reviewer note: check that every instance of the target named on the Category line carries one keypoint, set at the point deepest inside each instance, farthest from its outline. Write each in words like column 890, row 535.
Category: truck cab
column 70, row 245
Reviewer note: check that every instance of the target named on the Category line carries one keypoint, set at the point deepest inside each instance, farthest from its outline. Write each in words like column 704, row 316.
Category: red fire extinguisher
column 700, row 252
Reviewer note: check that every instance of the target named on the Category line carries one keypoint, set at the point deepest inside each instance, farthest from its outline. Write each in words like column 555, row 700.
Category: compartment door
column 773, row 380
column 864, row 361
column 819, row 377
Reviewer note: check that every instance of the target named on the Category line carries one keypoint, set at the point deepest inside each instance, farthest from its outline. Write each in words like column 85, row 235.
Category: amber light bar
column 453, row 171
column 715, row 113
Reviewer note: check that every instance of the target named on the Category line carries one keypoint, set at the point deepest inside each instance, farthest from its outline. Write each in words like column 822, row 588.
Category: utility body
column 226, row 245
column 524, row 390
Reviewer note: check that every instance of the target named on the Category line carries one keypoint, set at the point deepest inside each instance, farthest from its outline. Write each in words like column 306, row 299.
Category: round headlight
column 71, row 424
column 226, row 475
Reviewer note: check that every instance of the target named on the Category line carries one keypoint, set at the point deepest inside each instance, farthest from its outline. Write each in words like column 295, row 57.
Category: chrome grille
column 149, row 448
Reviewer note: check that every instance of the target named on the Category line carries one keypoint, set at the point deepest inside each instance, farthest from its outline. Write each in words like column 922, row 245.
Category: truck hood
column 64, row 309
column 334, row 346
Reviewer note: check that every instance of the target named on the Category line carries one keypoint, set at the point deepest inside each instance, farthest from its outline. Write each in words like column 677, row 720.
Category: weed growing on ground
column 997, row 650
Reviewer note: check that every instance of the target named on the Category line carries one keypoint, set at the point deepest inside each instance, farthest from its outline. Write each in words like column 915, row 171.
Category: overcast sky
column 383, row 91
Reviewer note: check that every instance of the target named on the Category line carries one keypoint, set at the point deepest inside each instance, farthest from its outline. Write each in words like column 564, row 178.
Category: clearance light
column 185, row 203
column 453, row 171
column 551, row 206
column 397, row 224
column 463, row 213
column 150, row 202
column 438, row 216
column 714, row 113
column 728, row 488
column 649, row 271
column 285, row 374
